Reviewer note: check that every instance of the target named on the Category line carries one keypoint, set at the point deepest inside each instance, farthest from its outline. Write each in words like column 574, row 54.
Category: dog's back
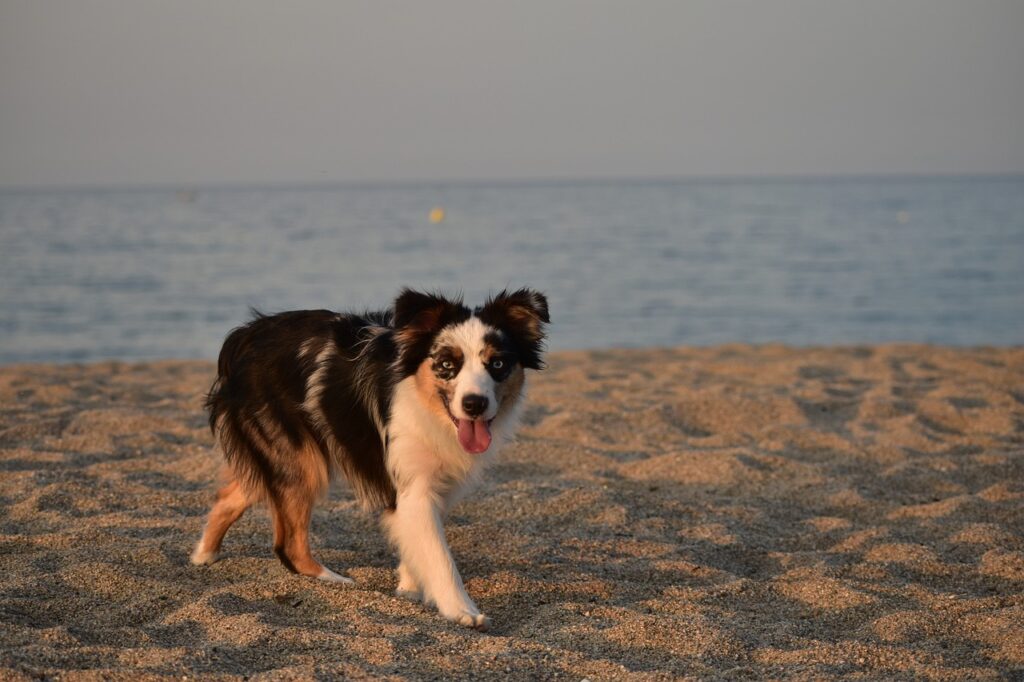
column 299, row 394
column 416, row 399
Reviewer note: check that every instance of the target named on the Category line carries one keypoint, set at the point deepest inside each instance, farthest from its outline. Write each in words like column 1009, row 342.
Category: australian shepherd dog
column 408, row 404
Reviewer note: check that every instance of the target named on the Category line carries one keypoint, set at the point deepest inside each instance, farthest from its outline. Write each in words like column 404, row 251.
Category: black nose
column 474, row 405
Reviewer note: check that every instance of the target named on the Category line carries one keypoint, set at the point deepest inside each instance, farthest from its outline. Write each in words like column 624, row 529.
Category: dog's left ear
column 523, row 315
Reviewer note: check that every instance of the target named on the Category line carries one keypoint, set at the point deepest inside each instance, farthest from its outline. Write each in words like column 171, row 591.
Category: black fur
column 522, row 315
column 264, row 376
column 260, row 372
column 420, row 317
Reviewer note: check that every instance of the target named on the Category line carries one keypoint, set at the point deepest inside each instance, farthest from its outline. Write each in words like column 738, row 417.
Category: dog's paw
column 330, row 576
column 201, row 557
column 408, row 588
column 478, row 622
column 411, row 595
column 470, row 619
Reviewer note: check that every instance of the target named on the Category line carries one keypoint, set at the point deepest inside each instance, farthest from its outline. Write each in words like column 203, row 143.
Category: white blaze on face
column 473, row 379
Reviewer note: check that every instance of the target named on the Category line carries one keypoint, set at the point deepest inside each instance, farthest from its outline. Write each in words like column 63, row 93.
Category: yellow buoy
column 436, row 215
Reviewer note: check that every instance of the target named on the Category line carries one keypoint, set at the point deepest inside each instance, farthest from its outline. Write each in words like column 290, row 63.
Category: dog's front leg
column 416, row 529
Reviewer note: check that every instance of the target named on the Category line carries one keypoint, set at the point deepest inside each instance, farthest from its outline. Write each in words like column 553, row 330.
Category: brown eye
column 497, row 364
column 448, row 365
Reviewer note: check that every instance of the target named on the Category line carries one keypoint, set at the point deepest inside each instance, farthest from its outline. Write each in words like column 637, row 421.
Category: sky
column 141, row 92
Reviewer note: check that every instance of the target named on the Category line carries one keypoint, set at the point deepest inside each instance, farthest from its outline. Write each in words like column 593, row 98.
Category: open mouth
column 474, row 434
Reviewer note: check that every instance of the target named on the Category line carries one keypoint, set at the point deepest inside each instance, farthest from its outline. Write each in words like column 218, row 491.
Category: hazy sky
column 138, row 91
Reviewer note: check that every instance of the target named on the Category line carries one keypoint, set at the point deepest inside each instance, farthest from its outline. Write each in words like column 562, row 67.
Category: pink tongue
column 474, row 435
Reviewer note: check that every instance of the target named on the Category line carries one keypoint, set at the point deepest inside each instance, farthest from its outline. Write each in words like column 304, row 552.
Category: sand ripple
column 721, row 513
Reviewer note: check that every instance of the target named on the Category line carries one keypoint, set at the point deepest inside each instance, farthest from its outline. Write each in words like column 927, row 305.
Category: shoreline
column 710, row 512
column 902, row 346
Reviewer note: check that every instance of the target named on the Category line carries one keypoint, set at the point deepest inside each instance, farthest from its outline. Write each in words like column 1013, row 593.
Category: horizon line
column 510, row 181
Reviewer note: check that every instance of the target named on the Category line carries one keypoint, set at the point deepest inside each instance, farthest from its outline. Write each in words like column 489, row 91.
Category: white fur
column 473, row 378
column 307, row 347
column 315, row 384
column 201, row 556
column 332, row 577
column 432, row 472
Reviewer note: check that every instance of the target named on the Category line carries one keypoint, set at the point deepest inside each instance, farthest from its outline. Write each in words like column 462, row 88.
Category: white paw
column 407, row 584
column 470, row 619
column 411, row 595
column 332, row 577
column 478, row 622
column 201, row 557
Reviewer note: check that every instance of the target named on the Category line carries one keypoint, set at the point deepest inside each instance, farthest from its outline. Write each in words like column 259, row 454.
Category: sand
column 726, row 513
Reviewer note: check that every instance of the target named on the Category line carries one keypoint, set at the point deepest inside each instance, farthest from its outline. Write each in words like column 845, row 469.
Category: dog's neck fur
column 422, row 446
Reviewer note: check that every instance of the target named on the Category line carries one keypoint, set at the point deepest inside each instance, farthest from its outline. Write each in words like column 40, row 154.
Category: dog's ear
column 422, row 312
column 417, row 319
column 522, row 314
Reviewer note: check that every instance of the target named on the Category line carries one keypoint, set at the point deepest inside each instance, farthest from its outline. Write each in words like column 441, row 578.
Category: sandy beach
column 732, row 512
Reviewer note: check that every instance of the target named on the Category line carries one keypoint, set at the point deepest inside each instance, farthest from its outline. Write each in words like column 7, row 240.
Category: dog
column 408, row 404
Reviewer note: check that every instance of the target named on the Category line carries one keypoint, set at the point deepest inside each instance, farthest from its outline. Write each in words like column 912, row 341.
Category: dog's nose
column 474, row 405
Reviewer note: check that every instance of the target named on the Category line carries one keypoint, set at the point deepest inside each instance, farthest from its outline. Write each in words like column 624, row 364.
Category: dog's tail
column 244, row 444
column 231, row 353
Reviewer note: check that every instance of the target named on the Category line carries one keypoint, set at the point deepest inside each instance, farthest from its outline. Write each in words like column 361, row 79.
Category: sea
column 134, row 274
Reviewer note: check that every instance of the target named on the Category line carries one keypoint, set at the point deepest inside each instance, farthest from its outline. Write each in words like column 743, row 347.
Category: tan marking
column 425, row 322
column 508, row 391
column 527, row 317
column 315, row 475
column 230, row 505
column 454, row 351
column 311, row 463
column 427, row 387
column 488, row 352
column 292, row 506
column 291, row 510
column 406, row 336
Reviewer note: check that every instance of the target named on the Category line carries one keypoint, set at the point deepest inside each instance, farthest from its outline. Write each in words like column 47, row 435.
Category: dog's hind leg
column 291, row 503
column 291, row 509
column 231, row 503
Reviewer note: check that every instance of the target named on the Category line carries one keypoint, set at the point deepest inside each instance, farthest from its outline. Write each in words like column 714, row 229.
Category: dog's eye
column 447, row 364
column 497, row 364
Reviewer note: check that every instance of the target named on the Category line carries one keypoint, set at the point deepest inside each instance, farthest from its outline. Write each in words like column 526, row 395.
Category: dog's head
column 469, row 365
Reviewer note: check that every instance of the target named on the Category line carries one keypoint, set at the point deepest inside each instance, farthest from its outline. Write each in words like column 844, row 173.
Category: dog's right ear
column 417, row 319
column 416, row 312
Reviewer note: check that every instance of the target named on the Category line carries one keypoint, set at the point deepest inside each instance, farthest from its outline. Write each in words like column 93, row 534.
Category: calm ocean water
column 133, row 274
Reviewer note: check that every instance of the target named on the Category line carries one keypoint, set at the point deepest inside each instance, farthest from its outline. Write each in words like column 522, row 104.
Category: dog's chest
column 422, row 443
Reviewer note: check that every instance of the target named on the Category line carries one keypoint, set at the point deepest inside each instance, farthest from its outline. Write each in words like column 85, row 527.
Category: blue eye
column 447, row 364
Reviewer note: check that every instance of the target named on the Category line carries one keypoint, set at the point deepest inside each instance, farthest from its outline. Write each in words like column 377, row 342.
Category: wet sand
column 733, row 512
